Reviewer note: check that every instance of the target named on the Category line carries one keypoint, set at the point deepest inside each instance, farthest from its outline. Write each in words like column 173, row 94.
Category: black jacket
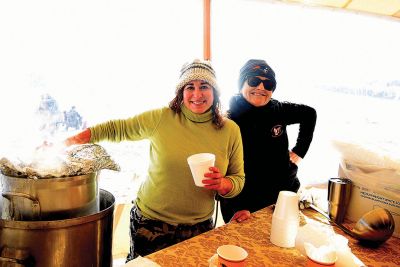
column 267, row 166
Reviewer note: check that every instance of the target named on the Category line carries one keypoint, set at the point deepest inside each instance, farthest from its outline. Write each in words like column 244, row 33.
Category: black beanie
column 256, row 67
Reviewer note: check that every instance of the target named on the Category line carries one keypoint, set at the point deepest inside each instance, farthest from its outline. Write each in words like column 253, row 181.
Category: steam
column 22, row 139
column 31, row 143
column 58, row 161
column 42, row 161
column 49, row 160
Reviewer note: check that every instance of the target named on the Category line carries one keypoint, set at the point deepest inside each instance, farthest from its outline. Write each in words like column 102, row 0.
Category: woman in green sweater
column 169, row 208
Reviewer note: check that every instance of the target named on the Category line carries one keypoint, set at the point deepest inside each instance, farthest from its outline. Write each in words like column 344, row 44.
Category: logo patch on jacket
column 276, row 131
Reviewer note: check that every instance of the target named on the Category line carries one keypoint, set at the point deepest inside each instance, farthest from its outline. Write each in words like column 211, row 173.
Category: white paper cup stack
column 285, row 220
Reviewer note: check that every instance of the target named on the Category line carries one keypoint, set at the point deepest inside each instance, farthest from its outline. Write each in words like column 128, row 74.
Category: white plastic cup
column 231, row 256
column 287, row 206
column 285, row 220
column 199, row 165
column 284, row 232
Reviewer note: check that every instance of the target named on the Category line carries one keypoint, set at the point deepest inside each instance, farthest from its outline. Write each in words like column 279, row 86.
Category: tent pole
column 206, row 30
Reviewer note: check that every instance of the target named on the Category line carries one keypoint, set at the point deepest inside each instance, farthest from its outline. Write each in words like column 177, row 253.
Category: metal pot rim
column 63, row 178
column 54, row 224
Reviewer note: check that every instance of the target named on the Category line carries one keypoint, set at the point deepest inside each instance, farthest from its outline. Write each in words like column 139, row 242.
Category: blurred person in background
column 169, row 208
column 72, row 119
column 269, row 165
column 49, row 116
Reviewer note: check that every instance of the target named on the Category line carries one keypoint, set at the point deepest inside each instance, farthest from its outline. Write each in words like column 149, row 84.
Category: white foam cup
column 285, row 220
column 231, row 256
column 283, row 232
column 287, row 205
column 199, row 165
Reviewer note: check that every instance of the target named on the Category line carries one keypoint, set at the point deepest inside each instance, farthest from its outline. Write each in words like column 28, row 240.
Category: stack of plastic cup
column 285, row 220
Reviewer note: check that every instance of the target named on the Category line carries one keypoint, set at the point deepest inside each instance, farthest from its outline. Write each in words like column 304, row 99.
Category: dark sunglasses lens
column 253, row 81
column 268, row 85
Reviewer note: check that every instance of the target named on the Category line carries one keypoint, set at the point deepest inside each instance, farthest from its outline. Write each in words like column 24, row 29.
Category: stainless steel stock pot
column 48, row 198
column 78, row 242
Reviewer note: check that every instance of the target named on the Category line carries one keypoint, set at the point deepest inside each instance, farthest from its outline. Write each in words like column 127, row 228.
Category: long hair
column 217, row 118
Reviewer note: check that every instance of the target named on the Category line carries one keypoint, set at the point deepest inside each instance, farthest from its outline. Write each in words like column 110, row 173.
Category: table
column 253, row 235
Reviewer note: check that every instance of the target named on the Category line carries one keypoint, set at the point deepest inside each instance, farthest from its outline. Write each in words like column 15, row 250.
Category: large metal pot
column 77, row 242
column 48, row 199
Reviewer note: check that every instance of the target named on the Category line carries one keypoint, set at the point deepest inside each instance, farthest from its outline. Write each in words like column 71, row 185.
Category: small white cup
column 285, row 220
column 283, row 232
column 287, row 205
column 231, row 256
column 199, row 165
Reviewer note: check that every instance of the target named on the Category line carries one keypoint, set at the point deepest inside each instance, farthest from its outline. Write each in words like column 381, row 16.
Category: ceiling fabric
column 378, row 7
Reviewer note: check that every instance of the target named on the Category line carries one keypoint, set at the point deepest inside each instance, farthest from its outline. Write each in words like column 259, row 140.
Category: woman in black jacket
column 269, row 164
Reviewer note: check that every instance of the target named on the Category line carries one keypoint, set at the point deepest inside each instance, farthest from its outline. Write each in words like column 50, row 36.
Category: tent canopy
column 378, row 7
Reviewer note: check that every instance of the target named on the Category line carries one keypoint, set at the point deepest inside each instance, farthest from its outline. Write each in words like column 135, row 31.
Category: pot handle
column 35, row 202
column 16, row 257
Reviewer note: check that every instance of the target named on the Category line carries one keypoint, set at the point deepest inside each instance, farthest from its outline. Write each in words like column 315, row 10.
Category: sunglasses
column 254, row 81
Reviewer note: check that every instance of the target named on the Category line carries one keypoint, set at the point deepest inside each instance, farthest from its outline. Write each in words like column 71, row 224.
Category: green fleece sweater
column 169, row 193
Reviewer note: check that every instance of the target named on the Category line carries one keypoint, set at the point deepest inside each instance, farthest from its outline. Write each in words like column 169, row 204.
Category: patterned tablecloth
column 253, row 235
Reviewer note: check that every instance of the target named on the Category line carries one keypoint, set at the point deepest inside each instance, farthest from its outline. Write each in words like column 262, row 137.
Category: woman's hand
column 294, row 158
column 216, row 181
column 240, row 216
column 78, row 139
column 48, row 148
column 45, row 145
